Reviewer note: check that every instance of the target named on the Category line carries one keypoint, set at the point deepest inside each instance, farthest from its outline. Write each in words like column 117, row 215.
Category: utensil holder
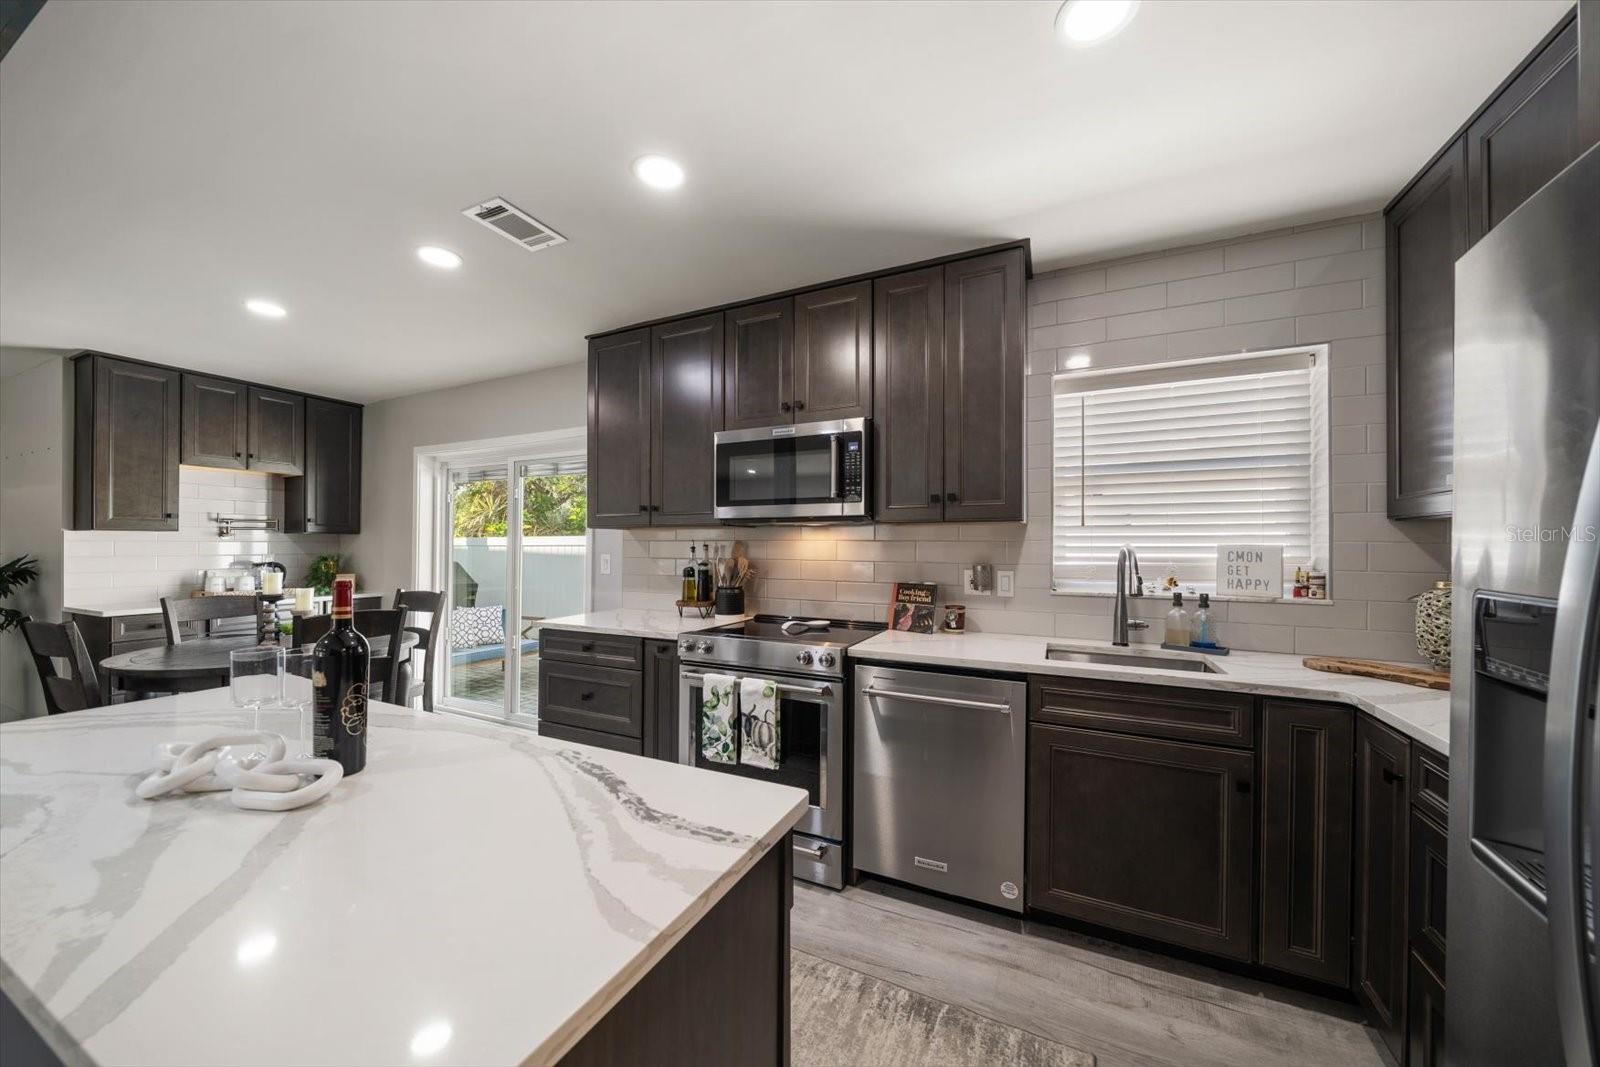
column 730, row 600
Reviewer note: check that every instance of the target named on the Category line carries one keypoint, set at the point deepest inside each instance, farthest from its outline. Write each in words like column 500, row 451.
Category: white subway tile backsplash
column 1309, row 300
column 1309, row 244
column 1164, row 267
column 1231, row 284
column 1346, row 266
column 1167, row 320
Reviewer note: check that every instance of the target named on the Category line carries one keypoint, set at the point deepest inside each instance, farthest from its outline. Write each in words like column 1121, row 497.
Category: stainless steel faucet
column 1127, row 560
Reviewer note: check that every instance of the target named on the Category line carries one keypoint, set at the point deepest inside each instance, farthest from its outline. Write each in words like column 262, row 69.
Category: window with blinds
column 1176, row 459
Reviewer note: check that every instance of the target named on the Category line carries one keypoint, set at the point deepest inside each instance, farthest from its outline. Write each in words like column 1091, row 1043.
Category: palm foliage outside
column 553, row 505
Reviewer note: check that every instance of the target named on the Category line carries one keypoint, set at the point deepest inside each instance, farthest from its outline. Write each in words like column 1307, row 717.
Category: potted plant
column 13, row 576
column 320, row 576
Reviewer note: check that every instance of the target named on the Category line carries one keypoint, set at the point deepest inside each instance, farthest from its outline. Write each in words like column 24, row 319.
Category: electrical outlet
column 966, row 585
column 605, row 563
column 1005, row 583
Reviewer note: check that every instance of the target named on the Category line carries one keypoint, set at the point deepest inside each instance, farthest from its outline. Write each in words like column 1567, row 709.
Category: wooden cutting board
column 1426, row 677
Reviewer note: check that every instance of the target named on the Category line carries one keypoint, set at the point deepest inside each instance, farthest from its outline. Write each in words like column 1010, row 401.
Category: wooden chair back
column 176, row 610
column 429, row 603
column 50, row 641
column 370, row 622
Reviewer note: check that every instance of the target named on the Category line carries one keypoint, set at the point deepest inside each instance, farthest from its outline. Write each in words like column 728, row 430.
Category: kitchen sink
column 1164, row 661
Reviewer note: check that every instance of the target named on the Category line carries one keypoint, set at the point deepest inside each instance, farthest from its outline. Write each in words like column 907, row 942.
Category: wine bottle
column 339, row 685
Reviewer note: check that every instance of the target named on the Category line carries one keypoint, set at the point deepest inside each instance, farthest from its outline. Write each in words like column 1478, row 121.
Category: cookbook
column 911, row 607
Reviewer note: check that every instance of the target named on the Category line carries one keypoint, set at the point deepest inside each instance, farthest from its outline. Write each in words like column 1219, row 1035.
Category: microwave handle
column 833, row 466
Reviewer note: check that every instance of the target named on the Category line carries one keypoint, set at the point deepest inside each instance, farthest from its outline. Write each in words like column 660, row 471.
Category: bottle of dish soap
column 1177, row 622
column 1202, row 631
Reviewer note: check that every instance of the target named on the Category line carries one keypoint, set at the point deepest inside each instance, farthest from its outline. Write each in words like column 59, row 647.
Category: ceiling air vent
column 514, row 224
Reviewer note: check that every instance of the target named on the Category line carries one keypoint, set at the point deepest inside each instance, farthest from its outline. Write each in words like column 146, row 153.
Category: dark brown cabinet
column 758, row 364
column 1382, row 757
column 908, row 396
column 1425, row 1021
column 619, row 430
column 277, row 437
column 216, row 422
column 1306, row 819
column 984, row 323
column 1428, row 893
column 1526, row 136
column 1426, row 230
column 661, row 700
column 127, row 428
column 685, row 414
column 833, row 353
column 1148, row 836
column 326, row 499
column 610, row 690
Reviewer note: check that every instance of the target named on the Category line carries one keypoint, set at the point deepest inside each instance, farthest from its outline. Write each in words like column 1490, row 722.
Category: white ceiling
column 162, row 162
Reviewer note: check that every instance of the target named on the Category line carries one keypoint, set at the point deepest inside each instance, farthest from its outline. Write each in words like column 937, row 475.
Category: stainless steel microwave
column 808, row 471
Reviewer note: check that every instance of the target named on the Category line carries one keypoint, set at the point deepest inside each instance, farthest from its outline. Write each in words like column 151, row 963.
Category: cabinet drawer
column 1148, row 710
column 136, row 628
column 602, row 650
column 1430, row 783
column 592, row 698
column 1430, row 850
column 631, row 745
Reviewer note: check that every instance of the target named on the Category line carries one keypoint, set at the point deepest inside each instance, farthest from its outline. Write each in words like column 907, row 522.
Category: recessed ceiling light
column 1086, row 22
column 265, row 308
column 1079, row 361
column 434, row 256
column 658, row 172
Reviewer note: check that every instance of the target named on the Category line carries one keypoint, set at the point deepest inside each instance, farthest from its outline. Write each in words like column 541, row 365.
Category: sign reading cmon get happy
column 1250, row 570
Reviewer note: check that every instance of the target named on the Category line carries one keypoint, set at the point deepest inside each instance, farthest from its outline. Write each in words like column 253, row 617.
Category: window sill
column 1105, row 590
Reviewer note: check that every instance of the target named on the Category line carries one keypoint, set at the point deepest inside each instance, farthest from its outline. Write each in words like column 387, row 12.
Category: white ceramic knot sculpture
column 251, row 764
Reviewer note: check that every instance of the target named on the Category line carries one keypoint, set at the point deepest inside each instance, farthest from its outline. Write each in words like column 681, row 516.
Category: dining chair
column 50, row 641
column 388, row 671
column 176, row 611
column 429, row 603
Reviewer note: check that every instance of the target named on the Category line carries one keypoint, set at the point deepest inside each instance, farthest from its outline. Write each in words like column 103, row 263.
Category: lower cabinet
column 1149, row 836
column 1382, row 759
column 1424, row 1015
column 610, row 691
column 661, row 700
column 1306, row 824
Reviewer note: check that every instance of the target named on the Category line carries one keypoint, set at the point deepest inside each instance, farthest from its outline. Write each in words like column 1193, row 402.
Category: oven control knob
column 703, row 647
column 685, row 646
column 826, row 659
column 804, row 658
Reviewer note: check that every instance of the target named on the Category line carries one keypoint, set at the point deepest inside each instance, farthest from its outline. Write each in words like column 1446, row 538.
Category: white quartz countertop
column 111, row 611
column 1421, row 714
column 477, row 895
column 659, row 625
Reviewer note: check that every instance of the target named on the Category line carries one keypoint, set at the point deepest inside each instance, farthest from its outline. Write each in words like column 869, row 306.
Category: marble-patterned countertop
column 111, row 611
column 477, row 895
column 631, row 622
column 1421, row 714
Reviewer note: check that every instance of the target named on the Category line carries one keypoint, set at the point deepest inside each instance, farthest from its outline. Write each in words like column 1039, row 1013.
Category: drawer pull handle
column 586, row 696
column 587, row 646
column 817, row 852
column 1391, row 778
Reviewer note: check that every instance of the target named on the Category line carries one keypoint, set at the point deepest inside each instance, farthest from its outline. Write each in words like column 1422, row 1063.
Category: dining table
column 203, row 663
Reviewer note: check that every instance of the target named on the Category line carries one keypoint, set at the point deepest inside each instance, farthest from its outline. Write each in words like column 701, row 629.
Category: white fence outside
column 554, row 570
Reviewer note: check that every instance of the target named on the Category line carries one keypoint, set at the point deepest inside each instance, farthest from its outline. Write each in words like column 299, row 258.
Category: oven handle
column 954, row 702
column 783, row 687
column 833, row 466
column 816, row 853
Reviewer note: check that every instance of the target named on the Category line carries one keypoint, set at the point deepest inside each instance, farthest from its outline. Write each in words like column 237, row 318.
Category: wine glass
column 292, row 716
column 255, row 676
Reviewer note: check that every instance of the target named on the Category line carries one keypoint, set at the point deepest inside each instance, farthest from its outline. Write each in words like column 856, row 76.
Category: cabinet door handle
column 1242, row 786
column 168, row 515
column 785, row 406
column 799, row 405
column 933, row 498
column 950, row 498
column 238, row 455
column 1391, row 778
column 586, row 696
column 586, row 647
column 644, row 507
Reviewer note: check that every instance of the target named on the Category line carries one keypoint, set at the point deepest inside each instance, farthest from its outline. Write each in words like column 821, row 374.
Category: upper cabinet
column 833, row 353
column 932, row 355
column 619, row 430
column 1425, row 230
column 1517, row 140
column 235, row 426
column 327, row 498
column 126, row 431
column 686, row 359
column 758, row 364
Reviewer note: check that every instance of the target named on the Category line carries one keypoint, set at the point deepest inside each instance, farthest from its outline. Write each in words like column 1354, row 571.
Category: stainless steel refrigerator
column 1522, row 983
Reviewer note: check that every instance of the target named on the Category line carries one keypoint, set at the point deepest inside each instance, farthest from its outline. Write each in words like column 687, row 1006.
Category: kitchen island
column 477, row 895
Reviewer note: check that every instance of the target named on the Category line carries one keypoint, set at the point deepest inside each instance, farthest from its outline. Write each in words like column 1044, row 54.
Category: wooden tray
column 1426, row 677
column 706, row 608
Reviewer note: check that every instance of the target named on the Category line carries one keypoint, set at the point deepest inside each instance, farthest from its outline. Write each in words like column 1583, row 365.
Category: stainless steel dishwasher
column 940, row 767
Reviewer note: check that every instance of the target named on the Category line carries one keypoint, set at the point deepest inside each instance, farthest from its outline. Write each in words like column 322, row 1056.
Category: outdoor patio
column 485, row 680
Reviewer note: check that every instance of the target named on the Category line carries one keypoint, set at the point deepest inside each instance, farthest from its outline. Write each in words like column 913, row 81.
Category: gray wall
column 383, row 553
column 1302, row 285
column 35, row 452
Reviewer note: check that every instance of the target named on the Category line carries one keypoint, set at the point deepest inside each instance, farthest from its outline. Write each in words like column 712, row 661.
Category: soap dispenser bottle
column 1177, row 622
column 1201, row 631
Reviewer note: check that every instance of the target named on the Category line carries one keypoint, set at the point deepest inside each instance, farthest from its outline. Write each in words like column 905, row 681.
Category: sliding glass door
column 517, row 553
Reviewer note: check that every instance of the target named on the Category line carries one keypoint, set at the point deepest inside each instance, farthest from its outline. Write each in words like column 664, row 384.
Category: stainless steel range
column 806, row 659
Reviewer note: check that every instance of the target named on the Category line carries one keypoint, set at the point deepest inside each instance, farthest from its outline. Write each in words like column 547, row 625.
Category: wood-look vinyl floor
column 1121, row 1004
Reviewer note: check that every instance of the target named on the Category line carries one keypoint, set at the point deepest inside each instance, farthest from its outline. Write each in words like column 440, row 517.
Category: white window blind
column 1177, row 459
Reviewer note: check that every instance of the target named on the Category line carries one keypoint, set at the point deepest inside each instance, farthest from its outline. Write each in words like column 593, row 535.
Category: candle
column 302, row 600
column 271, row 581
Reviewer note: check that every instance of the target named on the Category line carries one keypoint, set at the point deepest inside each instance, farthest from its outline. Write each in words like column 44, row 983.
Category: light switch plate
column 966, row 585
column 605, row 563
column 1005, row 583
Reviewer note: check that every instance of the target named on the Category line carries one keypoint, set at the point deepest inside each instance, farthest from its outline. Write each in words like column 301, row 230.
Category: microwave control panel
column 850, row 477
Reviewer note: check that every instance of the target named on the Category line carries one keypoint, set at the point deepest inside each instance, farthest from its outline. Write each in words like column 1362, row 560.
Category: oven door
column 806, row 471
column 812, row 713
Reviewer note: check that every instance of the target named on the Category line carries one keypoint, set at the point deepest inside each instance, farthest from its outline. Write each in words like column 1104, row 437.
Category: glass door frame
column 510, row 454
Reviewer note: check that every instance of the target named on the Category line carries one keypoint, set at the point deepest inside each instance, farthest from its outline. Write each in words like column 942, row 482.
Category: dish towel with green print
column 759, row 721
column 719, row 718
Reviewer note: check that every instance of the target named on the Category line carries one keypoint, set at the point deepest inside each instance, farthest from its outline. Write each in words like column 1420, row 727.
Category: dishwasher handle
column 954, row 702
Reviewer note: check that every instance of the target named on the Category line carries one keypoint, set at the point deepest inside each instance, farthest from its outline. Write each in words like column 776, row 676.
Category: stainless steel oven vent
column 514, row 224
